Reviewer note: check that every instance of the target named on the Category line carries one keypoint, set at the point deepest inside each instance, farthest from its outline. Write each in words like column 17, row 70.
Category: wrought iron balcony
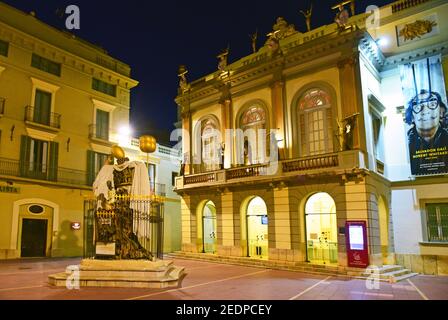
column 37, row 116
column 2, row 106
column 39, row 171
column 340, row 161
column 98, row 132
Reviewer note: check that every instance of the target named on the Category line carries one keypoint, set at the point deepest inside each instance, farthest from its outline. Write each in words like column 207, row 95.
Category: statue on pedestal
column 121, row 219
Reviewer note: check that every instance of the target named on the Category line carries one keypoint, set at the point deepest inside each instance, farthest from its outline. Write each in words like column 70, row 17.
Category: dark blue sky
column 155, row 37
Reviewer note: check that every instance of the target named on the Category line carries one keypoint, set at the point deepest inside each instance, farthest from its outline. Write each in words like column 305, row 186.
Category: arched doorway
column 384, row 229
column 209, row 227
column 257, row 229
column 321, row 229
column 35, row 230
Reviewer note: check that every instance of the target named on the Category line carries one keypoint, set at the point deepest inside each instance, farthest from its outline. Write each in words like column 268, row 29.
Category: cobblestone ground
column 28, row 279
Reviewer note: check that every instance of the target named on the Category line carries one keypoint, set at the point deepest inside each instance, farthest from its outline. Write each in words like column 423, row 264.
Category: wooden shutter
column 24, row 155
column 90, row 167
column 53, row 163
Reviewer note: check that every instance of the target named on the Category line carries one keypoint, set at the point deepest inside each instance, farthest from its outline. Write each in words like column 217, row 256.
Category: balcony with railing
column 406, row 4
column 40, row 118
column 40, row 171
column 2, row 106
column 100, row 134
column 325, row 163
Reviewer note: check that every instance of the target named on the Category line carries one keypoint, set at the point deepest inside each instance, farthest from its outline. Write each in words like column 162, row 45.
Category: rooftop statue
column 308, row 14
column 222, row 63
column 281, row 29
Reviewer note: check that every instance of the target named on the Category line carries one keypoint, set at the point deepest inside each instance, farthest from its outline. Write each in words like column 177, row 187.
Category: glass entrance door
column 257, row 230
column 209, row 228
column 321, row 229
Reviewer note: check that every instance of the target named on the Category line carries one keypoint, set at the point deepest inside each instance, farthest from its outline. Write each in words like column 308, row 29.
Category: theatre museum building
column 360, row 179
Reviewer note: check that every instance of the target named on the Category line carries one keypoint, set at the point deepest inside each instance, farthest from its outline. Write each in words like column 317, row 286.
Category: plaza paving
column 28, row 279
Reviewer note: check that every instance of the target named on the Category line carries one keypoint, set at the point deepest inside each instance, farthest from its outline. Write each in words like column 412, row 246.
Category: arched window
column 210, row 145
column 252, row 120
column 315, row 122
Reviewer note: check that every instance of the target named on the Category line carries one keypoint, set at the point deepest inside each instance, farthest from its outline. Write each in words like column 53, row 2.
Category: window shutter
column 24, row 155
column 53, row 164
column 433, row 230
column 90, row 167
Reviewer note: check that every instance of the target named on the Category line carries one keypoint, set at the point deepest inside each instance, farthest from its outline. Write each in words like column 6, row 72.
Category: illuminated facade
column 62, row 104
column 334, row 97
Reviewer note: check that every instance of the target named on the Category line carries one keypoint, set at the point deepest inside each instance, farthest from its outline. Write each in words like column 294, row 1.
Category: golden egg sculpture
column 117, row 152
column 148, row 144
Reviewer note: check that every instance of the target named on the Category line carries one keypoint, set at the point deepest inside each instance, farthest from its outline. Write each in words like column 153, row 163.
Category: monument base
column 120, row 274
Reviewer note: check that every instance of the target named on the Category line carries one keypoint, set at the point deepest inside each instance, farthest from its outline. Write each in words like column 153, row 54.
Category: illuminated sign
column 356, row 242
column 424, row 91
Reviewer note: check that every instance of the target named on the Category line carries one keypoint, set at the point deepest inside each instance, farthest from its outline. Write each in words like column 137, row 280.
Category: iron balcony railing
column 98, row 132
column 325, row 162
column 39, row 171
column 405, row 4
column 2, row 106
column 37, row 115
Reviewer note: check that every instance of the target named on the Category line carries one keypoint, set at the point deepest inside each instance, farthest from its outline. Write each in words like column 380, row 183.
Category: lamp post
column 148, row 144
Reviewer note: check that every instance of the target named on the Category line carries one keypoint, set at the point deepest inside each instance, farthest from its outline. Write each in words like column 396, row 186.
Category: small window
column 173, row 178
column 104, row 87
column 46, row 65
column 437, row 222
column 35, row 209
column 4, row 47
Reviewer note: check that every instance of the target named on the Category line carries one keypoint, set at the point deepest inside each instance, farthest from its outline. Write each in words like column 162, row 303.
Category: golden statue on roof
column 281, row 29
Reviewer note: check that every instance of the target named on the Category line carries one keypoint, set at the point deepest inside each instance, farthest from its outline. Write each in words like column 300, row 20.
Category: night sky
column 155, row 37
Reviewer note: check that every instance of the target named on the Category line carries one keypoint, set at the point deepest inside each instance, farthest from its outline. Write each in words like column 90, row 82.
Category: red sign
column 356, row 241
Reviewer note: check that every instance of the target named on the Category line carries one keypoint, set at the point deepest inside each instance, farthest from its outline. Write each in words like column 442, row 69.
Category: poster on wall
column 426, row 116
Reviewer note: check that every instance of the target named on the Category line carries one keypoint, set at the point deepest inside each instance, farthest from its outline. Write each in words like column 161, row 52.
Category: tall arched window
column 315, row 122
column 252, row 120
column 210, row 145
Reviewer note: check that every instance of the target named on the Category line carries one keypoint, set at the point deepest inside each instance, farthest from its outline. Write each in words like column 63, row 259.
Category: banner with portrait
column 424, row 92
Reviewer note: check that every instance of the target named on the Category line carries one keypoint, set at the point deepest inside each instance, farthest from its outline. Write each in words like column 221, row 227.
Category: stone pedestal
column 120, row 273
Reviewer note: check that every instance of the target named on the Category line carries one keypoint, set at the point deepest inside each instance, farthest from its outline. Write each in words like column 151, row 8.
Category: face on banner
column 424, row 91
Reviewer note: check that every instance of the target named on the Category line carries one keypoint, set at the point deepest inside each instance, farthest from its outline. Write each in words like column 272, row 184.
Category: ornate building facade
column 333, row 98
column 62, row 103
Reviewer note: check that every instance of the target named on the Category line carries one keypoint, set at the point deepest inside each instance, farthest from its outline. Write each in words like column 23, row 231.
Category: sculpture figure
column 254, row 41
column 307, row 14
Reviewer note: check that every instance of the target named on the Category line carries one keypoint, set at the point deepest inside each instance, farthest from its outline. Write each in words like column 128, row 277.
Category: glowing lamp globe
column 148, row 144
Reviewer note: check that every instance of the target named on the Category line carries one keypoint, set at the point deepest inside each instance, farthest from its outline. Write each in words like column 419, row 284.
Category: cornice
column 272, row 68
column 68, row 59
column 420, row 53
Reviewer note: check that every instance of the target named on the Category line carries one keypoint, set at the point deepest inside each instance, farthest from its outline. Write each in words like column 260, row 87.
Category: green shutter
column 433, row 230
column 24, row 155
column 444, row 221
column 53, row 164
column 90, row 167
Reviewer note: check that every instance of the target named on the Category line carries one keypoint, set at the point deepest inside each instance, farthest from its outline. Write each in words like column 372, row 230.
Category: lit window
column 315, row 123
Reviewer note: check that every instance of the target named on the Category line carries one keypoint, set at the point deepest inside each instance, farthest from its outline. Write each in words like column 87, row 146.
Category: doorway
column 34, row 237
column 209, row 227
column 384, row 229
column 321, row 229
column 257, row 229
